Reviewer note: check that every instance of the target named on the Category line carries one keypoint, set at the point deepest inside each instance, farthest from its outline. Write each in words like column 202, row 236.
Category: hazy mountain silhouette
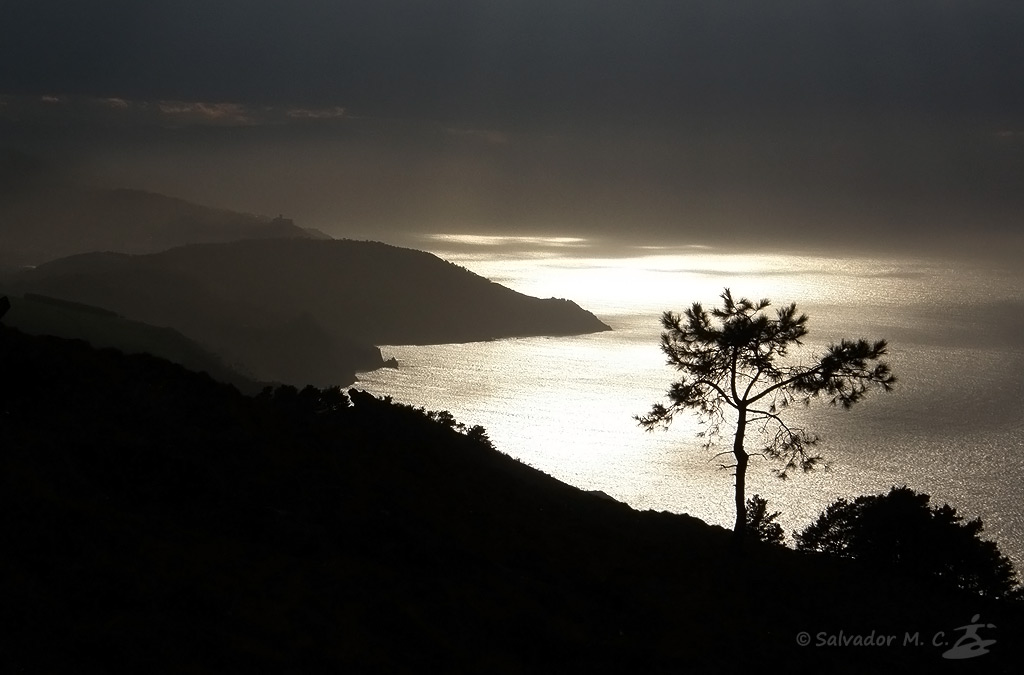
column 45, row 213
column 41, row 315
column 269, row 344
column 304, row 310
column 155, row 520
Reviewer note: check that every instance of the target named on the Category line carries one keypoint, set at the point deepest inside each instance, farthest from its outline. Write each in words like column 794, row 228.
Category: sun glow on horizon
column 653, row 279
column 509, row 240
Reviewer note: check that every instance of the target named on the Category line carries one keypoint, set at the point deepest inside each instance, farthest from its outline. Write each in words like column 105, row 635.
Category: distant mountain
column 304, row 310
column 45, row 214
column 375, row 292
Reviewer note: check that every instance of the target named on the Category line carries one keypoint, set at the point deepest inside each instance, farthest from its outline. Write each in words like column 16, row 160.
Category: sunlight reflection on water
column 954, row 427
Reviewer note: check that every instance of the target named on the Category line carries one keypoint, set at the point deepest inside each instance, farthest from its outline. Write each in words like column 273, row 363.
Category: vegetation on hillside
column 900, row 531
column 156, row 520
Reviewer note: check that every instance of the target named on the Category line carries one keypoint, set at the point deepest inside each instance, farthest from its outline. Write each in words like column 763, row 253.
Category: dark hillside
column 304, row 310
column 154, row 520
column 368, row 290
column 270, row 344
column 381, row 293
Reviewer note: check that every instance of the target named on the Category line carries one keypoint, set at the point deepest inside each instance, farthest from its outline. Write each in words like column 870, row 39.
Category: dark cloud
column 838, row 120
column 524, row 60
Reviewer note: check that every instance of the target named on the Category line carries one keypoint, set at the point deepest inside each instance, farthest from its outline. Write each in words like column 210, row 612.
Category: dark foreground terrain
column 153, row 520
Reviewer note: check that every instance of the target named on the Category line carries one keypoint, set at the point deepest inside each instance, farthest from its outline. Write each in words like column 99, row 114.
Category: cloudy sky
column 891, row 121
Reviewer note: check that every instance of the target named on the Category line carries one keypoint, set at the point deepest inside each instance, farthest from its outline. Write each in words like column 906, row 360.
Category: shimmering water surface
column 954, row 426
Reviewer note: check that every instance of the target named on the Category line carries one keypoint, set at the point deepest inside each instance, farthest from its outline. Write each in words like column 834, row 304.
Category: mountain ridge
column 303, row 310
column 47, row 213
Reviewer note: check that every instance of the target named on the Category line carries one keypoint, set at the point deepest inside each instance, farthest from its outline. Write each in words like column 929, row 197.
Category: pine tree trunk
column 741, row 475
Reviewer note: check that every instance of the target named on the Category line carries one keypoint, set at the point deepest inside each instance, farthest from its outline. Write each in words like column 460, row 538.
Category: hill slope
column 158, row 521
column 300, row 310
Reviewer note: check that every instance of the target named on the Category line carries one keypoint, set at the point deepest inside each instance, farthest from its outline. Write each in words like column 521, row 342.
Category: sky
column 889, row 123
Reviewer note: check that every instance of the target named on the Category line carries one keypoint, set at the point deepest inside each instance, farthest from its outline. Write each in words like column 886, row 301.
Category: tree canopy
column 735, row 368
column 900, row 529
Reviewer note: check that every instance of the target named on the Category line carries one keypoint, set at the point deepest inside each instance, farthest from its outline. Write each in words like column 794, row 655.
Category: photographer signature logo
column 967, row 646
column 970, row 643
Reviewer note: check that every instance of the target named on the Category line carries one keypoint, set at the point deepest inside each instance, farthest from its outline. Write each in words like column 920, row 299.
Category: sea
column 953, row 426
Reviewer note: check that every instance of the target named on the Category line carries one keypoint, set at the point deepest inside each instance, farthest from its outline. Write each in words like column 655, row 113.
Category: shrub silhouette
column 900, row 530
column 761, row 525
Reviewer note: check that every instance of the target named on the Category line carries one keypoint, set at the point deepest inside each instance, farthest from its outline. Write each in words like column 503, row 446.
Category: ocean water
column 953, row 427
